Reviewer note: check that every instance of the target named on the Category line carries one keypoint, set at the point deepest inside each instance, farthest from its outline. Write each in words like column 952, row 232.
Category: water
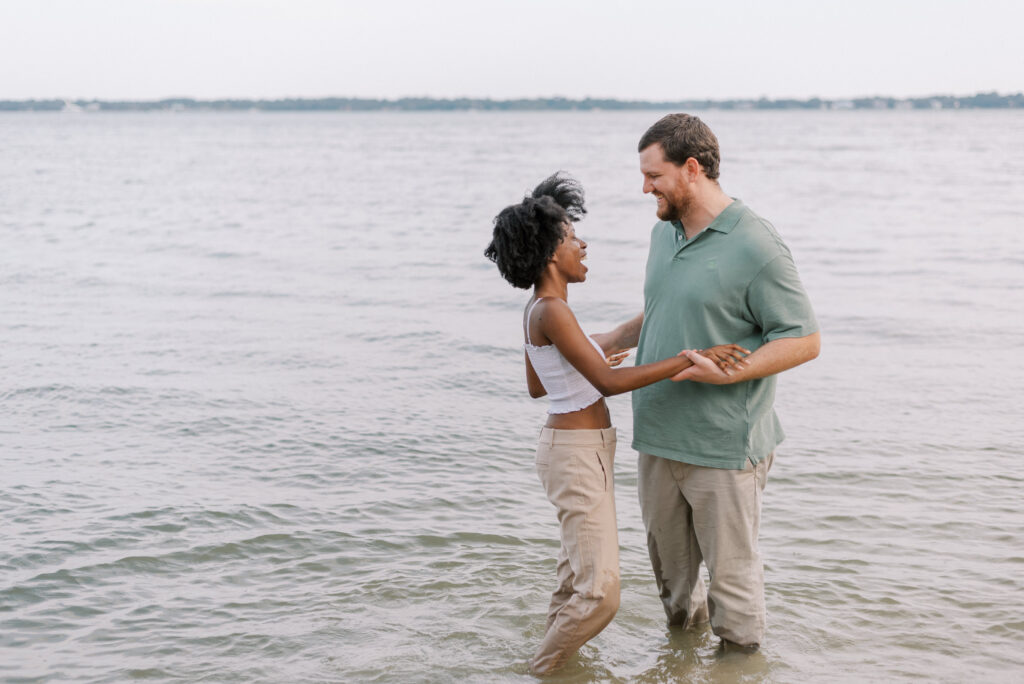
column 264, row 415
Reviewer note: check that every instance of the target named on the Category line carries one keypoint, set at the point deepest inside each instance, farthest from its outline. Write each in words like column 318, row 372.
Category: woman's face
column 570, row 254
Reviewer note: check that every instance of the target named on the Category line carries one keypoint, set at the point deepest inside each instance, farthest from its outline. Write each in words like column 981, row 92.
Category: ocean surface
column 263, row 415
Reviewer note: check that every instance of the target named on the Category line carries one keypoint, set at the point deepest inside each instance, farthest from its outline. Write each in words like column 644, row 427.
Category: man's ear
column 692, row 169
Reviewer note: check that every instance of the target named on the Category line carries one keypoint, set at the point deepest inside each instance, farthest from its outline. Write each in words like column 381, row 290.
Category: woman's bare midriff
column 594, row 417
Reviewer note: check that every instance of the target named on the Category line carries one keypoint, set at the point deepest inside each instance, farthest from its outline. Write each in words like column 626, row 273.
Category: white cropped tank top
column 567, row 389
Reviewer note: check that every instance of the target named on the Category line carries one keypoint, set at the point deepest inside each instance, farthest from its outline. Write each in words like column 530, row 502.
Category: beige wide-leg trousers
column 693, row 513
column 575, row 467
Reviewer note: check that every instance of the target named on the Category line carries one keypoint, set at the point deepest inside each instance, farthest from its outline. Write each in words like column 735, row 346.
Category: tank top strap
column 529, row 312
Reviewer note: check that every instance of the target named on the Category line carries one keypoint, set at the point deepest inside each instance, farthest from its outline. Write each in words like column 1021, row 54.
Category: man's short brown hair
column 682, row 136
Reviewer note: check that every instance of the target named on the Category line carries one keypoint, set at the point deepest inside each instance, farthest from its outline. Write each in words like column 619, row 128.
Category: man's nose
column 647, row 185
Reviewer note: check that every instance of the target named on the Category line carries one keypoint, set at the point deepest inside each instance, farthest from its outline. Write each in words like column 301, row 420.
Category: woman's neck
column 551, row 287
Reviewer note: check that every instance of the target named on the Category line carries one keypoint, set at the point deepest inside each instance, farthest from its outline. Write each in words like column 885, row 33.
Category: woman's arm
column 558, row 324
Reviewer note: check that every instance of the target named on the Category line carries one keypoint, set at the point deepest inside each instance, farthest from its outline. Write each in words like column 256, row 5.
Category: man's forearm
column 777, row 356
column 628, row 334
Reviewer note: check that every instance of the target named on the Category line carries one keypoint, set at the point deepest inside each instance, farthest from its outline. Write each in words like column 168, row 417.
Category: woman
column 535, row 246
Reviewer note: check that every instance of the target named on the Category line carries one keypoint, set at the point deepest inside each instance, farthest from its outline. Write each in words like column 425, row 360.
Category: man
column 716, row 273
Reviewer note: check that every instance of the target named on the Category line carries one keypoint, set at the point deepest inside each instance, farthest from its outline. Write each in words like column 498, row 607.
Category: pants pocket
column 605, row 469
column 606, row 458
column 761, row 471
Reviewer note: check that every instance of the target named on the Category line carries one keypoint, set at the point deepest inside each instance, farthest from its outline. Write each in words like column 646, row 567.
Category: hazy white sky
column 651, row 49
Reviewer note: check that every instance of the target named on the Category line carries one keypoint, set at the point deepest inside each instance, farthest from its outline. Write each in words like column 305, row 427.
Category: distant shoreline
column 991, row 100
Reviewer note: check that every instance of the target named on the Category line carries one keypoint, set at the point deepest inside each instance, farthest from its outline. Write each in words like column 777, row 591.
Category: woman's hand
column 703, row 370
column 728, row 357
column 714, row 365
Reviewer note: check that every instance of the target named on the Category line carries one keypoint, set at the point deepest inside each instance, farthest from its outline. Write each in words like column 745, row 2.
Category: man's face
column 667, row 182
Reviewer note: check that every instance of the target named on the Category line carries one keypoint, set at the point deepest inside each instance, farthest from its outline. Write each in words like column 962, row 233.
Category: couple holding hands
column 720, row 285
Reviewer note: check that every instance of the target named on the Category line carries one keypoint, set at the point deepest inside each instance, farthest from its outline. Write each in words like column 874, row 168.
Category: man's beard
column 674, row 211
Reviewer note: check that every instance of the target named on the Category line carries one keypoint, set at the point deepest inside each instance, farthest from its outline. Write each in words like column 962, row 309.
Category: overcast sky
column 649, row 49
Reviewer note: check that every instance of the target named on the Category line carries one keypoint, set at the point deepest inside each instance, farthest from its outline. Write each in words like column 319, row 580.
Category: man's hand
column 702, row 370
column 614, row 360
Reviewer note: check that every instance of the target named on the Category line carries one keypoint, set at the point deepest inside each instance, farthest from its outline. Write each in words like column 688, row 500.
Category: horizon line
column 982, row 100
column 491, row 98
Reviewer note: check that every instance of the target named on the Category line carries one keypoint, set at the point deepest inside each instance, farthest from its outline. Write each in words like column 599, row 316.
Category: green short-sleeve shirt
column 735, row 281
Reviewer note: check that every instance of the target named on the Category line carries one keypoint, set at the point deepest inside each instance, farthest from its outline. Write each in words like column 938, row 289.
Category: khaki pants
column 693, row 513
column 575, row 467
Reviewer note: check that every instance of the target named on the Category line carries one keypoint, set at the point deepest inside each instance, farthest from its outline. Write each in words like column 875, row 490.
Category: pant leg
column 563, row 571
column 671, row 541
column 726, row 508
column 578, row 478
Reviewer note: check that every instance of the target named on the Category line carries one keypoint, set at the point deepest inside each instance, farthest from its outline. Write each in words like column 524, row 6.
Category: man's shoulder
column 756, row 238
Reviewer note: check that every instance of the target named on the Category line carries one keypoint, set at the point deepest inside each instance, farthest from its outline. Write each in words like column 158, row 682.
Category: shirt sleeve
column 778, row 302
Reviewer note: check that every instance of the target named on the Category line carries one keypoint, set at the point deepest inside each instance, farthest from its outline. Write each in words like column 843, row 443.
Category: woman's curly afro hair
column 527, row 234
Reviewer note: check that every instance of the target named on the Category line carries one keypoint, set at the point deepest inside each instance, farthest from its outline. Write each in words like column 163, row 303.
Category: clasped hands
column 714, row 365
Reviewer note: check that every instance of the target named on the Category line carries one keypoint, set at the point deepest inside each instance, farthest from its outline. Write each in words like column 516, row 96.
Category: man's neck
column 705, row 209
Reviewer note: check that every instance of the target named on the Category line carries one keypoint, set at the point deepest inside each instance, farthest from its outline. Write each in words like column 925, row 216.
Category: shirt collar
column 723, row 223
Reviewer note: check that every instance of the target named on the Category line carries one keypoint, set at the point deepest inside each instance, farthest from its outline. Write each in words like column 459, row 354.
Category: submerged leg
column 578, row 480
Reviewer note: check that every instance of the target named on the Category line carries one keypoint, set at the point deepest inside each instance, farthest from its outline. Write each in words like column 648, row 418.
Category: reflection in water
column 696, row 655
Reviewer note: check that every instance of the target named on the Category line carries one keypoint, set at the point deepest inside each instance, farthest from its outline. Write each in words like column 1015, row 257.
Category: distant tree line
column 992, row 100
